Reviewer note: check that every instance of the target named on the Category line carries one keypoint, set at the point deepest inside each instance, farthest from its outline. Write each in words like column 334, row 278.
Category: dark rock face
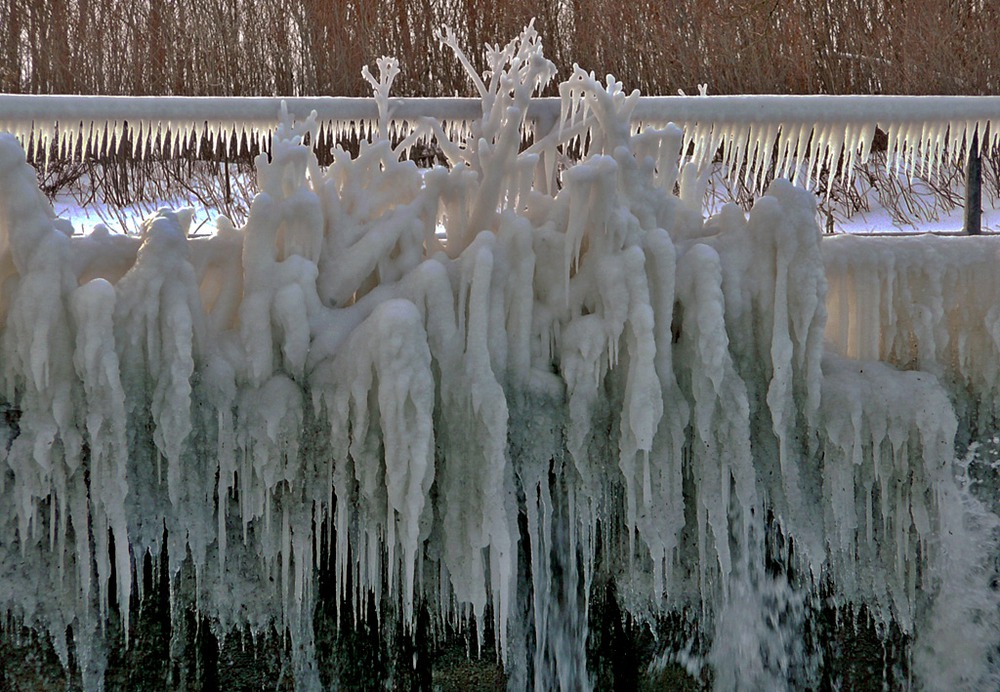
column 173, row 646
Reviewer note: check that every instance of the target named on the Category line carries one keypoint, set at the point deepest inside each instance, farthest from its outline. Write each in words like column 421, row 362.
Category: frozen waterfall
column 482, row 393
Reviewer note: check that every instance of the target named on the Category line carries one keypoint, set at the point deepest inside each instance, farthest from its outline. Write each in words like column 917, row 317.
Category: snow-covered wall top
column 817, row 130
column 929, row 303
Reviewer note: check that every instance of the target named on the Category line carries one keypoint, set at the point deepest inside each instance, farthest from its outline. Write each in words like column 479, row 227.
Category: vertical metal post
column 974, row 189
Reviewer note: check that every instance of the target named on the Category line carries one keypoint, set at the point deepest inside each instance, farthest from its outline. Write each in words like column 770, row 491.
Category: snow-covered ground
column 879, row 220
column 126, row 219
column 920, row 207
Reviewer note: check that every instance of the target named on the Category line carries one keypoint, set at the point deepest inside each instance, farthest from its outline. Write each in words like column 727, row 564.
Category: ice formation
column 581, row 378
column 801, row 137
column 930, row 305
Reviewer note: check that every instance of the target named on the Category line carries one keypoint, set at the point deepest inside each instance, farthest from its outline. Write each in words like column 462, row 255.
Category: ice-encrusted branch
column 388, row 69
column 447, row 37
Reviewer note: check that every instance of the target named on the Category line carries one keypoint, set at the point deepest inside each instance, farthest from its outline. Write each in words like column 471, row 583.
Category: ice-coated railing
column 750, row 129
column 263, row 110
column 797, row 137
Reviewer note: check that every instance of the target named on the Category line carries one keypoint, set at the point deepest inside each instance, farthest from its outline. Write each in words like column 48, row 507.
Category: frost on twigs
column 483, row 391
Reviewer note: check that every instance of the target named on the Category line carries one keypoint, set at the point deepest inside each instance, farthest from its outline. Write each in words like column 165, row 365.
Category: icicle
column 834, row 146
column 101, row 150
column 86, row 139
column 957, row 134
column 62, row 141
column 135, row 132
column 915, row 148
column 924, row 148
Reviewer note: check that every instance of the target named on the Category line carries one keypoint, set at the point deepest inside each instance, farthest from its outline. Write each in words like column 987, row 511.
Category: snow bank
column 580, row 349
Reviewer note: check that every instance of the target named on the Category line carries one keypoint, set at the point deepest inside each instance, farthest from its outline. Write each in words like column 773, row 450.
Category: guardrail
column 830, row 133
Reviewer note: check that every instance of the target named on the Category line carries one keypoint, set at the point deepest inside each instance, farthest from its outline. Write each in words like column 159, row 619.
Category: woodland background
column 317, row 47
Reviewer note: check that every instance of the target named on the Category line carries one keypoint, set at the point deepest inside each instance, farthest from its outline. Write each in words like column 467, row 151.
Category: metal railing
column 831, row 132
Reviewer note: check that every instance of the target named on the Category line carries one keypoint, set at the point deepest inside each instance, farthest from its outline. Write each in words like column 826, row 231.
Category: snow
column 126, row 220
column 879, row 220
column 641, row 385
